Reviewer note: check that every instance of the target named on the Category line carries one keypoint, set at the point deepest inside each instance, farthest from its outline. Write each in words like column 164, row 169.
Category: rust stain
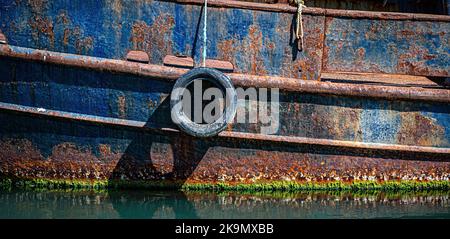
column 66, row 37
column 74, row 34
column 254, row 44
column 152, row 104
column 84, row 45
column 407, row 62
column 116, row 23
column 227, row 51
column 121, row 102
column 21, row 158
column 243, row 80
column 62, row 18
column 337, row 122
column 305, row 64
column 104, row 149
column 162, row 157
column 420, row 130
column 148, row 38
column 360, row 53
column 42, row 26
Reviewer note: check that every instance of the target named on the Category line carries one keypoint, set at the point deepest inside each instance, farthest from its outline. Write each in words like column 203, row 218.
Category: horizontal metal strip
column 224, row 134
column 336, row 143
column 243, row 80
column 284, row 7
column 379, row 78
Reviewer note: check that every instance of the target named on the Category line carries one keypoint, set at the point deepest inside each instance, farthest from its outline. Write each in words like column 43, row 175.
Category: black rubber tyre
column 203, row 130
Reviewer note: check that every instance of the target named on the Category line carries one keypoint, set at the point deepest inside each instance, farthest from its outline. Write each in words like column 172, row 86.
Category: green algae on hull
column 243, row 187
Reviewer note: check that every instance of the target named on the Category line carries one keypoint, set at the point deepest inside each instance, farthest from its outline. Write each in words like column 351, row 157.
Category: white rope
column 204, row 33
column 299, row 28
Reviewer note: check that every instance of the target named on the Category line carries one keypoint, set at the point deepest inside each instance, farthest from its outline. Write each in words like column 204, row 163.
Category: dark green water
column 151, row 204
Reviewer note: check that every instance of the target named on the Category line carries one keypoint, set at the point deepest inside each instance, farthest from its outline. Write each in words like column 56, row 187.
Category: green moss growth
column 281, row 186
column 331, row 186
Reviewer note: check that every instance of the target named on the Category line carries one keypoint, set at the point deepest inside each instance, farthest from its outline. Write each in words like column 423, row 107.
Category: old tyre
column 191, row 127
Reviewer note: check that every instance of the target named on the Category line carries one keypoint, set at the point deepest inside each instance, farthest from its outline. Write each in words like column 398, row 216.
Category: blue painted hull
column 67, row 116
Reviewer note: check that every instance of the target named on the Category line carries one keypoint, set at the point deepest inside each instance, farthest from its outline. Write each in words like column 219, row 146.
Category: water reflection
column 141, row 204
column 164, row 204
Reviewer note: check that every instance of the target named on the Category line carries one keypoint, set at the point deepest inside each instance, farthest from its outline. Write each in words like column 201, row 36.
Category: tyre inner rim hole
column 195, row 109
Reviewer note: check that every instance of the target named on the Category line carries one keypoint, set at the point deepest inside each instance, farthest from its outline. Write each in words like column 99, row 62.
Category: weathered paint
column 387, row 46
column 65, row 150
column 357, row 132
column 134, row 98
column 141, row 125
column 243, row 80
column 58, row 148
column 253, row 41
column 413, row 6
column 258, row 41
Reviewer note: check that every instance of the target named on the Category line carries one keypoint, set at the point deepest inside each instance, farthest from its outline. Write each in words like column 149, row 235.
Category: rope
column 204, row 33
column 299, row 29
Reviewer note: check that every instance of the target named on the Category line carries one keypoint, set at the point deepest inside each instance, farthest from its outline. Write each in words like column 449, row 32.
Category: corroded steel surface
column 256, row 42
column 141, row 125
column 87, row 151
column 302, row 114
column 380, row 79
column 387, row 46
column 54, row 148
column 256, row 38
column 360, row 132
column 243, row 80
column 188, row 62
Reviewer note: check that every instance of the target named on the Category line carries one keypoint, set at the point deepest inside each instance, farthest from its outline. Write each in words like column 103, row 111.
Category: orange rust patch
column 104, row 149
column 420, row 130
column 227, row 51
column 82, row 44
column 407, row 64
column 66, row 37
column 20, row 158
column 42, row 26
column 254, row 43
column 306, row 64
column 153, row 39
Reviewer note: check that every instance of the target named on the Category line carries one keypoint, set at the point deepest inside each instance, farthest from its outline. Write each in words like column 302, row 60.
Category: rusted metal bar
column 225, row 134
column 337, row 143
column 283, row 7
column 243, row 80
column 93, row 63
column 356, row 90
column 64, row 115
column 378, row 78
column 188, row 62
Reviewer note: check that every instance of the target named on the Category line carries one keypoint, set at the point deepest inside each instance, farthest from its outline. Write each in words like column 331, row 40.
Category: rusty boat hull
column 365, row 100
